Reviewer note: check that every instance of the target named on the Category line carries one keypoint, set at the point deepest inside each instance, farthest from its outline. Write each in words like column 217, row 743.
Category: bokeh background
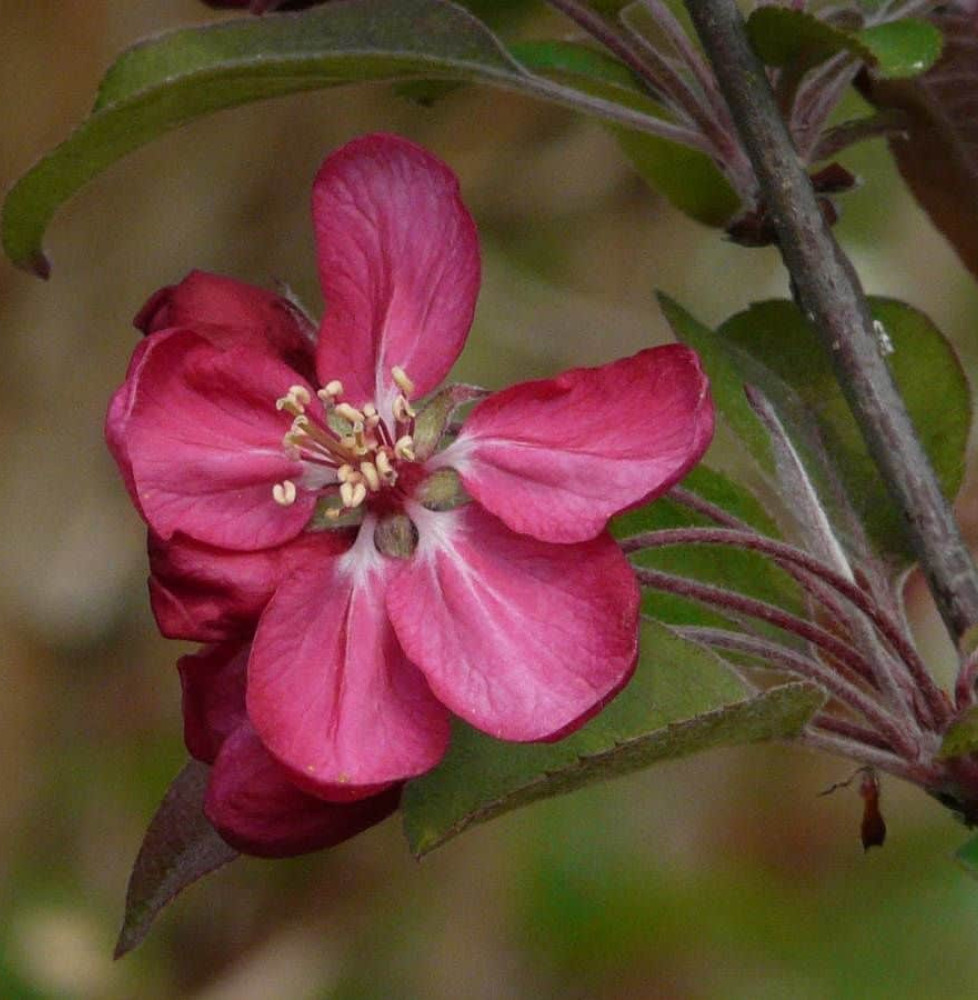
column 723, row 876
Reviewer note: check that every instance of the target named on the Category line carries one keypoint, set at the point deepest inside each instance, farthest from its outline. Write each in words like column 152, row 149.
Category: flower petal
column 257, row 810
column 211, row 594
column 221, row 309
column 330, row 692
column 205, row 443
column 556, row 458
column 213, row 682
column 522, row 639
column 399, row 267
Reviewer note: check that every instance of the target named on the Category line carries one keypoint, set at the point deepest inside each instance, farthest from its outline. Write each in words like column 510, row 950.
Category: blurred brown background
column 719, row 877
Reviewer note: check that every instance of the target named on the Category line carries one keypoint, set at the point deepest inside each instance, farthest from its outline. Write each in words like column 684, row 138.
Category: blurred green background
column 719, row 877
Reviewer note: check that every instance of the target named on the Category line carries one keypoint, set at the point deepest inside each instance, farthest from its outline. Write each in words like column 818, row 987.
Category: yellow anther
column 370, row 474
column 404, row 448
column 295, row 400
column 333, row 513
column 350, row 413
column 403, row 411
column 353, row 494
column 344, row 472
column 384, row 466
column 331, row 391
column 369, row 410
column 284, row 493
column 402, row 381
column 299, row 424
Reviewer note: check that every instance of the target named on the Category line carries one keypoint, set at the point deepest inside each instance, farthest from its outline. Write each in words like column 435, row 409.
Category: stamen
column 402, row 381
column 404, row 448
column 331, row 391
column 403, row 413
column 370, row 474
column 352, row 494
column 369, row 410
column 384, row 466
column 350, row 413
column 344, row 472
column 284, row 493
column 295, row 400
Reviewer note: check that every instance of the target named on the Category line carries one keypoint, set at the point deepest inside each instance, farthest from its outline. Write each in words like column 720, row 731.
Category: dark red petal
column 557, row 458
column 399, row 266
column 204, row 440
column 210, row 594
column 521, row 638
column 213, row 681
column 257, row 810
column 330, row 692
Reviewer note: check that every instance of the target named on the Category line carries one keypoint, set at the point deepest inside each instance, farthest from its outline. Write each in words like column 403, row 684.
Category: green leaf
column 690, row 179
column 902, row 48
column 967, row 856
column 681, row 701
column 179, row 848
column 727, row 377
column 181, row 76
column 745, row 572
column 782, row 36
column 961, row 737
column 925, row 368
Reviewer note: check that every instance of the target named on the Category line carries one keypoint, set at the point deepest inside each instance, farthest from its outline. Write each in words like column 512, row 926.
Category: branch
column 828, row 291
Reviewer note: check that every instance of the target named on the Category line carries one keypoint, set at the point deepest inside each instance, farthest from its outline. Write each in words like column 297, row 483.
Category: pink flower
column 294, row 475
column 250, row 800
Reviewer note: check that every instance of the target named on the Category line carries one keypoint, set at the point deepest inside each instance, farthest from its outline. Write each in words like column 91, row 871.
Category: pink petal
column 257, row 810
column 399, row 267
column 523, row 639
column 117, row 419
column 329, row 690
column 211, row 594
column 204, row 441
column 556, row 458
column 213, row 682
column 218, row 308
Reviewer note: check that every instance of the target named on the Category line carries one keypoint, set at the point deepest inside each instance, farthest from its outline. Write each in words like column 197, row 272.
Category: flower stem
column 936, row 699
column 805, row 666
column 828, row 291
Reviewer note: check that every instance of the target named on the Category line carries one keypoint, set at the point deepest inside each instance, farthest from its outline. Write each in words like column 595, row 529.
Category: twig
column 829, row 292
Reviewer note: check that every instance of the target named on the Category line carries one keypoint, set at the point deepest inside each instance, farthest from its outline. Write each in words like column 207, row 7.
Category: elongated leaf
column 745, row 572
column 938, row 152
column 184, row 75
column 925, row 368
column 967, row 856
column 690, row 179
column 681, row 701
column 783, row 36
column 180, row 847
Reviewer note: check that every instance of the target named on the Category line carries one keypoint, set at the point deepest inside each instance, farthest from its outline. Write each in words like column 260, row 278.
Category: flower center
column 355, row 448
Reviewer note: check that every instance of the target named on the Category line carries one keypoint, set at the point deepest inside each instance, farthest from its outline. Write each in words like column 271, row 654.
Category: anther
column 369, row 410
column 370, row 474
column 344, row 472
column 350, row 413
column 353, row 494
column 295, row 400
column 404, row 448
column 403, row 411
column 402, row 381
column 331, row 391
column 284, row 493
column 384, row 466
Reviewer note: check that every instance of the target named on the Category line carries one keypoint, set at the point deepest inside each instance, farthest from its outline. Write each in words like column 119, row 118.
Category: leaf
column 784, row 36
column 179, row 848
column 680, row 701
column 745, row 572
column 688, row 178
column 938, row 152
column 961, row 736
column 178, row 77
column 925, row 368
column 967, row 856
column 902, row 48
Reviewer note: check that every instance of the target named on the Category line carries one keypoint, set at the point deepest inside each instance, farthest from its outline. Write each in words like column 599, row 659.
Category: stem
column 829, row 292
column 804, row 666
column 936, row 700
column 851, row 730
column 850, row 662
column 916, row 772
